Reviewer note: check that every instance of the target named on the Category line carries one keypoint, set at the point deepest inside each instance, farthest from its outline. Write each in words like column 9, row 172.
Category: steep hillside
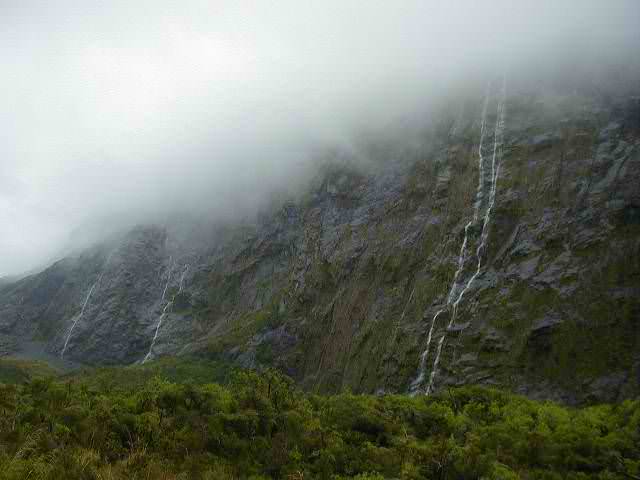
column 502, row 249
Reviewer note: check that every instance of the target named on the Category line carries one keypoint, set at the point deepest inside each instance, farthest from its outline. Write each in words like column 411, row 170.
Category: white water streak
column 495, row 173
column 84, row 305
column 454, row 285
column 166, row 308
column 425, row 354
column 461, row 256
column 186, row 267
column 480, row 191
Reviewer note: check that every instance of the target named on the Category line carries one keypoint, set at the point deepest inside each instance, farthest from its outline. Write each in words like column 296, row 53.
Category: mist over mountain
column 118, row 113
column 320, row 240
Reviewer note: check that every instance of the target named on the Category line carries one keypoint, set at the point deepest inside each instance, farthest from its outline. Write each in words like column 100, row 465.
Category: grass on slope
column 174, row 369
column 14, row 371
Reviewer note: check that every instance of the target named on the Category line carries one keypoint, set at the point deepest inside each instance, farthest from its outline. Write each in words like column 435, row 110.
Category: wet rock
column 523, row 248
column 611, row 176
column 509, row 243
column 182, row 301
column 524, row 270
column 8, row 345
column 468, row 358
column 611, row 130
column 494, row 341
column 607, row 388
column 458, row 327
column 545, row 326
column 265, row 348
column 604, row 154
column 546, row 140
column 622, row 150
column 631, row 215
column 553, row 272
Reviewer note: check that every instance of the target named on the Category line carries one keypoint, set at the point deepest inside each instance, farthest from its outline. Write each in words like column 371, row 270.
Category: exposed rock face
column 123, row 282
column 339, row 288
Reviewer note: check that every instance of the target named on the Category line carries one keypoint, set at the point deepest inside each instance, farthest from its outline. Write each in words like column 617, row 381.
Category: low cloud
column 138, row 110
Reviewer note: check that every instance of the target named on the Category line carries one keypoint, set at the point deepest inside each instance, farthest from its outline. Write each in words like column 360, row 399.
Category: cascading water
column 495, row 173
column 423, row 357
column 155, row 336
column 166, row 308
column 164, row 292
column 184, row 272
column 454, row 286
column 480, row 191
column 84, row 305
column 454, row 300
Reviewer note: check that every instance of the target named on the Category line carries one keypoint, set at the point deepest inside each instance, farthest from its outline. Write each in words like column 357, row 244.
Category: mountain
column 502, row 248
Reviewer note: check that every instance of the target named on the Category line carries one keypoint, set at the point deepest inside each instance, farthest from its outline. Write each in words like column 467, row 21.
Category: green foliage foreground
column 260, row 426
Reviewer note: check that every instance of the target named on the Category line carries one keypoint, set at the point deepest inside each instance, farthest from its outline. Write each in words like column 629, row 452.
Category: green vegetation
column 246, row 326
column 259, row 426
column 18, row 371
column 172, row 369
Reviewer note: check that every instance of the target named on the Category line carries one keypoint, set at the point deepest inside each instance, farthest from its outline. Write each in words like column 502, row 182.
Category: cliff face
column 504, row 249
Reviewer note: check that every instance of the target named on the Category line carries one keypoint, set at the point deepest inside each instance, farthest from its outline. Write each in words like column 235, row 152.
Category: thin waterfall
column 415, row 384
column 423, row 357
column 454, row 286
column 184, row 272
column 480, row 191
column 166, row 308
column 84, row 305
column 164, row 292
column 495, row 173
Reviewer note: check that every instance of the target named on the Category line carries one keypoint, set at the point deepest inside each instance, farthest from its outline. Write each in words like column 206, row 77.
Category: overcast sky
column 112, row 108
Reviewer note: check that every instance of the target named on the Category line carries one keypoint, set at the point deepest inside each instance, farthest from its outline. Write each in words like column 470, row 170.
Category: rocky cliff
column 503, row 248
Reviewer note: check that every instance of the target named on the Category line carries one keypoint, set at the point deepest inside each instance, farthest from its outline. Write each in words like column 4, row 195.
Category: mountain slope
column 340, row 288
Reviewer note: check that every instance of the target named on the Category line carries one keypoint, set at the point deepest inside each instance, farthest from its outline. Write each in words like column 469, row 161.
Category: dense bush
column 260, row 426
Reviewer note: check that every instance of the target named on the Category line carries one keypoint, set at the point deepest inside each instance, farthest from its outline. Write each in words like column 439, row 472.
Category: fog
column 129, row 111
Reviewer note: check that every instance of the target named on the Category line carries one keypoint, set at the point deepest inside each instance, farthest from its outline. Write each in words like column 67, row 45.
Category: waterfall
column 164, row 292
column 454, row 298
column 495, row 173
column 166, row 308
column 84, row 305
column 155, row 336
column 480, row 191
column 454, row 286
column 425, row 354
column 184, row 272
column 415, row 384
